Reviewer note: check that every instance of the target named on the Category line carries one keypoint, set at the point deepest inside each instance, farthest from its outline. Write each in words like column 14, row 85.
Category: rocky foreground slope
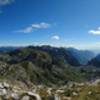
column 71, row 91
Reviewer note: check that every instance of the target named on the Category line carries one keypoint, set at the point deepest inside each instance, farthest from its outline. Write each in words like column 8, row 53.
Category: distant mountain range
column 48, row 65
column 95, row 61
column 7, row 49
column 83, row 56
column 80, row 56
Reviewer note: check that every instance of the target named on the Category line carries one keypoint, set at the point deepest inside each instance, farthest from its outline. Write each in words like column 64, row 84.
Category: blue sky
column 54, row 22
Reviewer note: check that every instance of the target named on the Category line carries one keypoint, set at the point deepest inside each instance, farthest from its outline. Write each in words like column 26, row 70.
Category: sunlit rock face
column 15, row 92
column 9, row 91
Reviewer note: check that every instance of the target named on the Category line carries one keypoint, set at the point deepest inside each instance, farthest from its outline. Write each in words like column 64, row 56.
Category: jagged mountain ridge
column 80, row 56
column 42, row 65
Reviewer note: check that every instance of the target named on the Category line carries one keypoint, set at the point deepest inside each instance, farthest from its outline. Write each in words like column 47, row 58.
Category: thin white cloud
column 32, row 27
column 95, row 32
column 26, row 30
column 41, row 25
column 5, row 2
column 55, row 37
